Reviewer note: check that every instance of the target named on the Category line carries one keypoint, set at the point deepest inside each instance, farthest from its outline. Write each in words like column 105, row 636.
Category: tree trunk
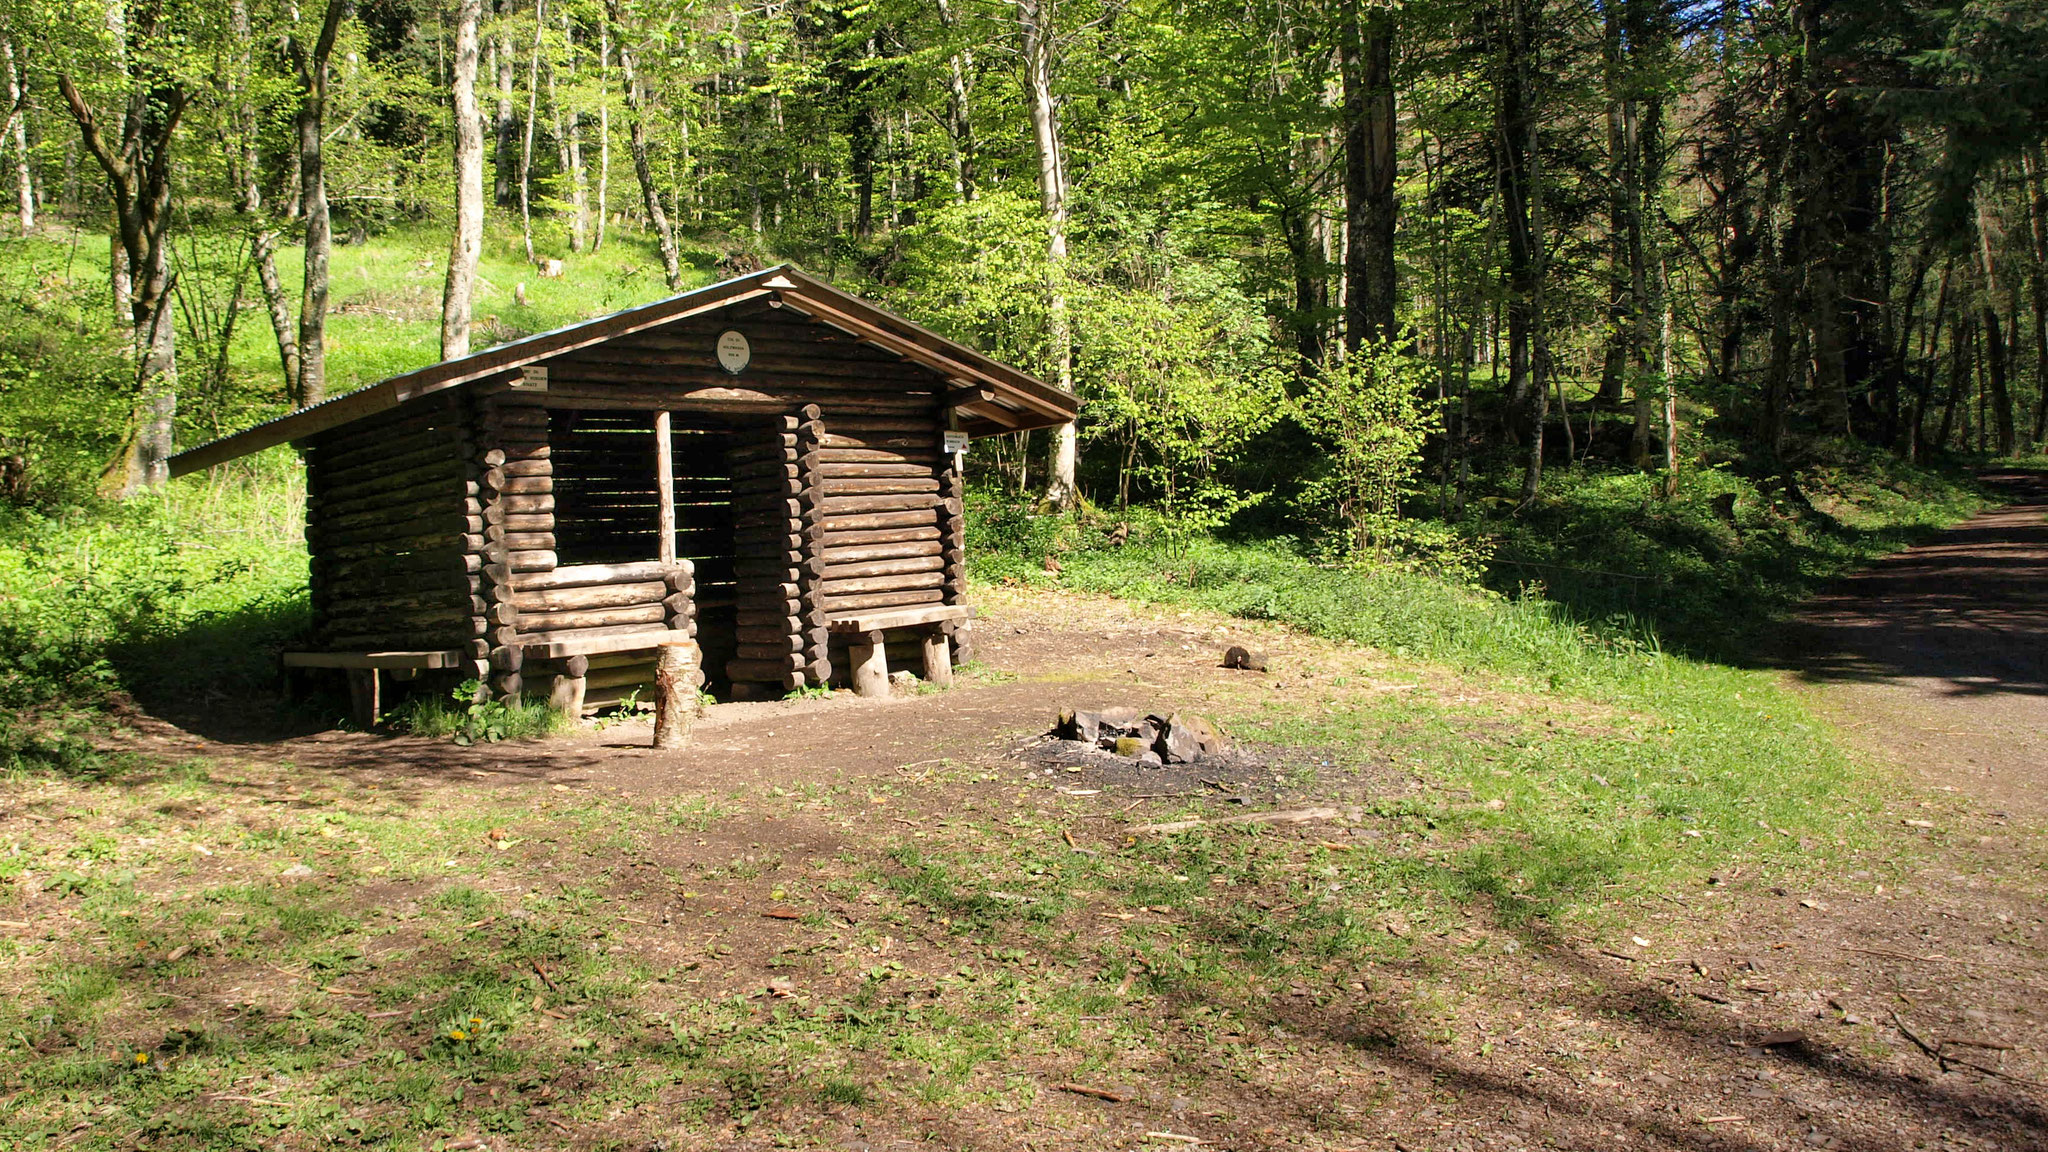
column 1036, row 21
column 1518, row 178
column 467, row 244
column 2036, row 194
column 526, row 137
column 245, row 172
column 604, row 131
column 1995, row 364
column 311, row 123
column 1311, row 287
column 959, row 124
column 1959, row 376
column 506, row 129
column 119, row 282
column 643, row 169
column 1369, row 174
column 17, row 132
column 569, row 146
column 139, row 183
column 1621, row 304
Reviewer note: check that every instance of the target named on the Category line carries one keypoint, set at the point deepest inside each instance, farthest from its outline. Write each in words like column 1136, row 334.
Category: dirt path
column 1939, row 655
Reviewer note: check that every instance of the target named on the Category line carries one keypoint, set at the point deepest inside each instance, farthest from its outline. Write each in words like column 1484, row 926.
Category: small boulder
column 1150, row 759
column 1118, row 717
column 1188, row 737
column 1129, row 746
column 1077, row 725
column 1179, row 744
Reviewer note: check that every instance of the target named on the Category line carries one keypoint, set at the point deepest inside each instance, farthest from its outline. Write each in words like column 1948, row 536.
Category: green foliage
column 468, row 715
column 1371, row 421
column 181, row 597
column 1711, row 568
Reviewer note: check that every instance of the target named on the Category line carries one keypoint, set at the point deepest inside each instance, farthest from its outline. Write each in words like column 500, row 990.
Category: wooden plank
column 593, row 641
column 880, row 621
column 425, row 660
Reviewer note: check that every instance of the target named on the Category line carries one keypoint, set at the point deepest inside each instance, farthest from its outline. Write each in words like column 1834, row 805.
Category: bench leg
column 938, row 659
column 870, row 665
column 566, row 696
column 365, row 690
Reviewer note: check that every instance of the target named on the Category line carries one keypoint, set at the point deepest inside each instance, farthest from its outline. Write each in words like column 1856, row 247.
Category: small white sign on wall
column 734, row 352
column 956, row 442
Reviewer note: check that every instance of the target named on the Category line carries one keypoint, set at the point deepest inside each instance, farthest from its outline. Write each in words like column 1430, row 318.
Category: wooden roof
column 990, row 396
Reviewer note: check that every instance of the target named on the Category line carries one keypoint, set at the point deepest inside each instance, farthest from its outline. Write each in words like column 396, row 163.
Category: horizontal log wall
column 886, row 512
column 391, row 503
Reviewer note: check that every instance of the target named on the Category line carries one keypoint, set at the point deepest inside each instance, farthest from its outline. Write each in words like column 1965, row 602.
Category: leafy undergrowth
column 1710, row 570
column 1597, row 571
column 182, row 598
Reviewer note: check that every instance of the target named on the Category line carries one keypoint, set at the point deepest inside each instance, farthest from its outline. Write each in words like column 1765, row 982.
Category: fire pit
column 1177, row 738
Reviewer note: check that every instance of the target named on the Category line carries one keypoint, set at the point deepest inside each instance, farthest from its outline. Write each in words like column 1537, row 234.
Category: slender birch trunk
column 643, row 169
column 604, row 131
column 467, row 245
column 249, row 202
column 311, row 123
column 1036, row 20
column 17, row 132
column 526, row 137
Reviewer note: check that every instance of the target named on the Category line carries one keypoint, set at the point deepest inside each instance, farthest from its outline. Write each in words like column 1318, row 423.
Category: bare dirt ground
column 1917, row 999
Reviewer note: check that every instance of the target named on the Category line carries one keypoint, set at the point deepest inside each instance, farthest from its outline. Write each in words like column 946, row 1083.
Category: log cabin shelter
column 763, row 473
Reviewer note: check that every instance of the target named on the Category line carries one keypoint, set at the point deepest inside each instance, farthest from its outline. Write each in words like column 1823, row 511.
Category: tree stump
column 675, row 696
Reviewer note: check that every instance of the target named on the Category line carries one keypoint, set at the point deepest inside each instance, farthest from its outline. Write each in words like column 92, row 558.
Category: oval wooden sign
column 734, row 353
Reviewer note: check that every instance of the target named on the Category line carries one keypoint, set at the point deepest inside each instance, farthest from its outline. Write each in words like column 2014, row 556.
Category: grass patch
column 466, row 718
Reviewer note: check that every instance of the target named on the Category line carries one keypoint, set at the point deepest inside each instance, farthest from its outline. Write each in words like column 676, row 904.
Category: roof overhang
column 990, row 397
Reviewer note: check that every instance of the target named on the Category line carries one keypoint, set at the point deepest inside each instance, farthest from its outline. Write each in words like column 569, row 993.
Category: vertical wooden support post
column 675, row 697
column 870, row 655
column 938, row 658
column 665, row 487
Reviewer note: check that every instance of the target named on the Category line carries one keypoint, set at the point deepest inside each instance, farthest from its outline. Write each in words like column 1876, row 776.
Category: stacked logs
column 773, row 542
column 391, row 513
column 793, row 360
column 574, row 603
column 516, row 491
column 883, row 514
column 953, row 529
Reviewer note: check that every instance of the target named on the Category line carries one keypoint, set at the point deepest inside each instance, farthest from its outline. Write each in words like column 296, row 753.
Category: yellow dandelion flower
column 476, row 1021
column 142, row 1057
column 457, row 1034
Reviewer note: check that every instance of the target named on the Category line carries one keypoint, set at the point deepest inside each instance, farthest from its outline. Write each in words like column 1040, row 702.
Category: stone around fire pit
column 1181, row 738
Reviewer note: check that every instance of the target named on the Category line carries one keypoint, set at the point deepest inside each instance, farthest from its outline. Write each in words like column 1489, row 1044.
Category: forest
column 1275, row 248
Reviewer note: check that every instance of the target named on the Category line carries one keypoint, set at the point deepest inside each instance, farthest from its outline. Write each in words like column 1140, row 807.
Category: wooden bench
column 934, row 622
column 365, row 673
